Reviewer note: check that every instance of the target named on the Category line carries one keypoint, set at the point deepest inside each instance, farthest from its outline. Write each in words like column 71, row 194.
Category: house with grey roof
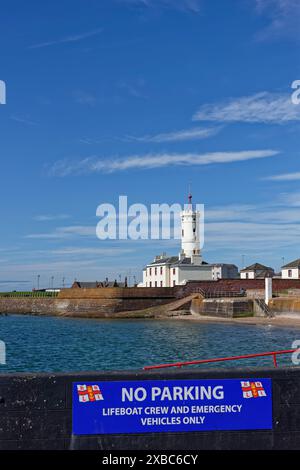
column 256, row 271
column 291, row 270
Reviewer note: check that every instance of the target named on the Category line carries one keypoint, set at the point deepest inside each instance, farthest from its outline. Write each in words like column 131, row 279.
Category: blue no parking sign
column 119, row 407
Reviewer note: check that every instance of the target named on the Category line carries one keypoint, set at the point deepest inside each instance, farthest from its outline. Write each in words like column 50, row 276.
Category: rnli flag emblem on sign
column 89, row 393
column 253, row 389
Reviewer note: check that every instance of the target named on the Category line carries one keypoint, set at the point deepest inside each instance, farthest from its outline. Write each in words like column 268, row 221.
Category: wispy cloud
column 134, row 88
column 193, row 6
column 67, row 39
column 269, row 226
column 49, row 217
column 262, row 107
column 196, row 133
column 112, row 251
column 86, row 98
column 291, row 199
column 23, row 120
column 14, row 282
column 150, row 161
column 284, row 18
column 66, row 232
column 284, row 177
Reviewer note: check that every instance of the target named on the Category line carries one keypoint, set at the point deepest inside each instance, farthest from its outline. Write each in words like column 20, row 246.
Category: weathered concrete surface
column 166, row 293
column 128, row 307
column 36, row 413
column 285, row 304
column 229, row 308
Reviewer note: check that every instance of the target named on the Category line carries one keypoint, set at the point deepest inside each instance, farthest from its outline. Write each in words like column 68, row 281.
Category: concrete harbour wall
column 285, row 304
column 97, row 303
column 229, row 308
column 85, row 308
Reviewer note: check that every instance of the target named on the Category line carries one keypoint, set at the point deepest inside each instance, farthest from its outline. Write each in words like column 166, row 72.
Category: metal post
column 268, row 290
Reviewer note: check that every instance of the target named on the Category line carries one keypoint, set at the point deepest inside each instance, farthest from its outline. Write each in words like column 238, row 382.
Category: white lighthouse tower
column 190, row 236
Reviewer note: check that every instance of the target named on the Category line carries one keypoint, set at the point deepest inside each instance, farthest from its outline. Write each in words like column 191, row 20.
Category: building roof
column 220, row 265
column 184, row 261
column 257, row 267
column 175, row 261
column 86, row 285
column 293, row 264
column 97, row 284
column 265, row 273
column 167, row 260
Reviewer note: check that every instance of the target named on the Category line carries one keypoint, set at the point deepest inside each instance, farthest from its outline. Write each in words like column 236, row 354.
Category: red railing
column 274, row 354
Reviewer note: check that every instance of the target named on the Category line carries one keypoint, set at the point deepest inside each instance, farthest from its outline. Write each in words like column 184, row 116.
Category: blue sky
column 143, row 98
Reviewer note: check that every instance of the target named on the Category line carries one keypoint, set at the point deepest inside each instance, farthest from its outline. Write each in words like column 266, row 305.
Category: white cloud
column 291, row 199
column 269, row 226
column 150, row 161
column 284, row 177
column 66, row 232
column 112, row 251
column 67, row 39
column 284, row 18
column 50, row 217
column 23, row 120
column 264, row 107
column 195, row 133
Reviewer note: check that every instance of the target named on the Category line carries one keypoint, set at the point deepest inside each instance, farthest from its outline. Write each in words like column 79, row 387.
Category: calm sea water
column 65, row 344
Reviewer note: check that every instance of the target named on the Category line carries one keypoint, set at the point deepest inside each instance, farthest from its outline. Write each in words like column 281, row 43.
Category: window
column 182, row 232
column 155, row 271
column 247, row 275
column 161, row 270
column 161, row 283
column 155, row 283
column 150, row 284
column 174, row 271
column 290, row 273
column 150, row 272
column 174, row 283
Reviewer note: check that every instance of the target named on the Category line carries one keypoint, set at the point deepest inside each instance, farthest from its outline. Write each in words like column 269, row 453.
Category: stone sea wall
column 92, row 303
column 137, row 303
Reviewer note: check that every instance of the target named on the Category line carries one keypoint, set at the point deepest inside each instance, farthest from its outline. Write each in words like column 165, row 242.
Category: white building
column 291, row 270
column 224, row 271
column 188, row 266
column 256, row 271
